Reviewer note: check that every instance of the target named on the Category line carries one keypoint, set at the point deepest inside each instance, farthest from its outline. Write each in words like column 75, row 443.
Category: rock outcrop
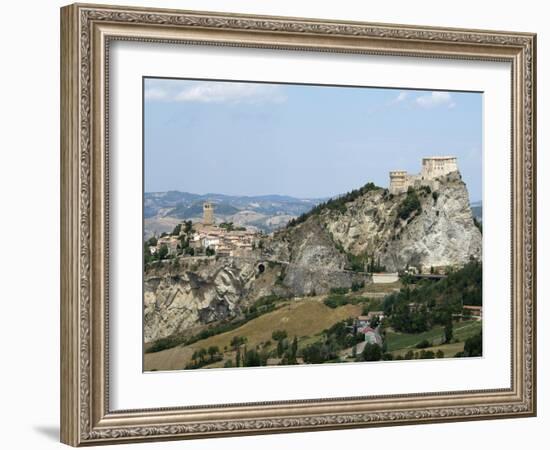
column 180, row 298
column 440, row 233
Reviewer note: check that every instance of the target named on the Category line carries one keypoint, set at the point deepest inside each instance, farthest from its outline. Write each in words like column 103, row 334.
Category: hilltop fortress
column 432, row 168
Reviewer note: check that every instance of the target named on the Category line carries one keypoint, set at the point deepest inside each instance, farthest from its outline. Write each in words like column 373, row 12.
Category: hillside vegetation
column 306, row 317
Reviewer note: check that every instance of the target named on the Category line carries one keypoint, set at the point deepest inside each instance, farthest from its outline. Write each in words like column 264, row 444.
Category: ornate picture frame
column 87, row 32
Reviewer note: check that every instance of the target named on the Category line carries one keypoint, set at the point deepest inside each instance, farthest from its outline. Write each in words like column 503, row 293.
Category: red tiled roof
column 366, row 330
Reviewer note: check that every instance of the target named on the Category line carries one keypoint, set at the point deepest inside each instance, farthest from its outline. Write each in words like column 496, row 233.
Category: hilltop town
column 206, row 238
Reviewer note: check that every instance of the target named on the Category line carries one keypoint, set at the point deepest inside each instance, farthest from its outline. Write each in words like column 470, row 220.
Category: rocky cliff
column 326, row 248
column 180, row 298
column 439, row 232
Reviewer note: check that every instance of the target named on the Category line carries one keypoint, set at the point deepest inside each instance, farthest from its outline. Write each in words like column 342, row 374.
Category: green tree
column 448, row 330
column 371, row 352
column 426, row 354
column 202, row 354
column 237, row 341
column 162, row 252
column 147, row 257
column 410, row 204
column 316, row 353
column 184, row 242
column 423, row 344
column 474, row 345
column 294, row 347
column 227, row 225
column 238, row 357
column 280, row 348
column 252, row 359
column 279, row 335
column 213, row 350
column 177, row 230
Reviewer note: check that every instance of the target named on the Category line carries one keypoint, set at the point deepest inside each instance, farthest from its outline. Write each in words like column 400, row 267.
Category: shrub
column 371, row 352
column 426, row 354
column 410, row 204
column 423, row 344
column 473, row 345
column 177, row 229
column 339, row 290
column 164, row 343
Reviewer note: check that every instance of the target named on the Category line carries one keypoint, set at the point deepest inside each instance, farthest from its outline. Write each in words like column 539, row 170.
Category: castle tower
column 398, row 181
column 437, row 166
column 207, row 213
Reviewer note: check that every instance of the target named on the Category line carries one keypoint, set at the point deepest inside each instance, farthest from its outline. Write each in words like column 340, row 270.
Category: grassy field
column 400, row 343
column 385, row 288
column 305, row 317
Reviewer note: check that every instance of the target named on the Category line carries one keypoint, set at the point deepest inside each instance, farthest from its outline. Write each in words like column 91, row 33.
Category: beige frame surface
column 86, row 31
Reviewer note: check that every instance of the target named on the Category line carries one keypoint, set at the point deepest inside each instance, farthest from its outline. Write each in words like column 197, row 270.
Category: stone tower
column 207, row 213
column 398, row 181
column 436, row 166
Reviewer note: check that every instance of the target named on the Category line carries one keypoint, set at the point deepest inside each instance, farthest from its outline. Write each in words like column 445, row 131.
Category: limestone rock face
column 179, row 300
column 315, row 265
column 443, row 233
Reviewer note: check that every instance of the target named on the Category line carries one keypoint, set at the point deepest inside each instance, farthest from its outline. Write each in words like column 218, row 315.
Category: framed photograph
column 276, row 224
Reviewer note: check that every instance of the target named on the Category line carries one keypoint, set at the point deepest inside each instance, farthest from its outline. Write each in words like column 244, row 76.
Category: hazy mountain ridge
column 162, row 210
column 477, row 210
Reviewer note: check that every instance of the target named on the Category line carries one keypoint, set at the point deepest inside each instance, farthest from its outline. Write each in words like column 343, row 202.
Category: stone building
column 432, row 168
column 207, row 213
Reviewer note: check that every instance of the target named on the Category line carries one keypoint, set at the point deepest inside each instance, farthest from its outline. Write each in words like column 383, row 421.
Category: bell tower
column 207, row 213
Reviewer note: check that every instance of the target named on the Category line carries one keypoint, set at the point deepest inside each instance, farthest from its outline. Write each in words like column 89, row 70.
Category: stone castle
column 432, row 168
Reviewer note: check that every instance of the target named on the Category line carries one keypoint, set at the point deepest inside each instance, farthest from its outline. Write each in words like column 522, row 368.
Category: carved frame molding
column 86, row 31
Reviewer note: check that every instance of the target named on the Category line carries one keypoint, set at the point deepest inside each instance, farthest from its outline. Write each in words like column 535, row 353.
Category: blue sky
column 304, row 141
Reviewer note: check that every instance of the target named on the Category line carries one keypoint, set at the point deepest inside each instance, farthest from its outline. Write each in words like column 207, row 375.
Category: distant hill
column 477, row 210
column 162, row 210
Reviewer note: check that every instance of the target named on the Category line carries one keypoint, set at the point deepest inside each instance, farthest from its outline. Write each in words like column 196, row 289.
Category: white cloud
column 435, row 99
column 401, row 97
column 155, row 93
column 214, row 92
